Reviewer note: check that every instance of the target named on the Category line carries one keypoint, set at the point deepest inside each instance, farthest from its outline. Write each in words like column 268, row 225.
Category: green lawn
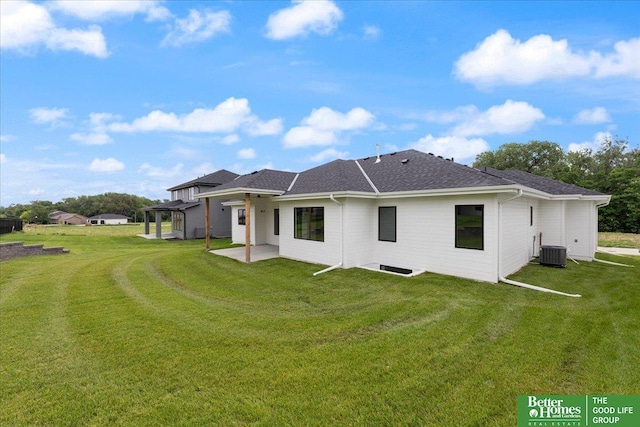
column 128, row 331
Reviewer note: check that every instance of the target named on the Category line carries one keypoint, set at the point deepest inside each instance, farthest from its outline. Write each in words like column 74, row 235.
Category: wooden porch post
column 206, row 223
column 247, row 227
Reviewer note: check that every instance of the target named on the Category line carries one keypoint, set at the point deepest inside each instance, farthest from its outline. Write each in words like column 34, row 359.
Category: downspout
column 513, row 282
column 333, row 267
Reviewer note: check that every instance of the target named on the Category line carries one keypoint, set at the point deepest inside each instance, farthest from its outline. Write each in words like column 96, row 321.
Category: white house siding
column 327, row 252
column 517, row 234
column 552, row 222
column 361, row 215
column 425, row 237
column 579, row 223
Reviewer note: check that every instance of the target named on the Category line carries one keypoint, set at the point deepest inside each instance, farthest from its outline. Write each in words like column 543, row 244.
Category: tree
column 612, row 169
column 539, row 157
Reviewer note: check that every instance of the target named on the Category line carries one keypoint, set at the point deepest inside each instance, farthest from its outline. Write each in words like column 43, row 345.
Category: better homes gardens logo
column 552, row 410
column 578, row 411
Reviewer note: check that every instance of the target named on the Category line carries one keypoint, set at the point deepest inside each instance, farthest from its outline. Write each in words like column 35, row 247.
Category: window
column 387, row 223
column 276, row 222
column 469, row 226
column 242, row 217
column 309, row 224
column 530, row 215
column 177, row 221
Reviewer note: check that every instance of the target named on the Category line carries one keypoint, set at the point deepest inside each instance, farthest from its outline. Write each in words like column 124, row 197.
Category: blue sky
column 138, row 96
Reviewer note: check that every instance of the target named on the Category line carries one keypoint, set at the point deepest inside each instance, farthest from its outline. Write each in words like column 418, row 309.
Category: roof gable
column 212, row 180
column 265, row 179
column 413, row 170
column 338, row 175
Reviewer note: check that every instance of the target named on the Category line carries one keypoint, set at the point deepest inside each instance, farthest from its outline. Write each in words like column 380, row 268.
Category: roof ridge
column 367, row 178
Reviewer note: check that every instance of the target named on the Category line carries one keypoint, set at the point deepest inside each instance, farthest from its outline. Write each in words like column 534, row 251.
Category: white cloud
column 24, row 26
column 230, row 139
column 6, row 138
column 104, row 9
column 329, row 154
column 305, row 136
column 91, row 138
column 371, row 32
column 325, row 118
column 89, row 42
column 229, row 116
column 459, row 148
column 501, row 59
column 323, row 126
column 98, row 121
column 302, row 18
column 592, row 145
column 3, row 158
column 198, row 27
column 247, row 153
column 52, row 116
column 106, row 165
column 260, row 128
column 158, row 172
column 624, row 62
column 592, row 116
column 510, row 117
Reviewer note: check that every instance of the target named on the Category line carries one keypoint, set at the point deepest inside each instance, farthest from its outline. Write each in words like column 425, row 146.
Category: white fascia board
column 231, row 192
column 537, row 194
column 316, row 196
column 404, row 194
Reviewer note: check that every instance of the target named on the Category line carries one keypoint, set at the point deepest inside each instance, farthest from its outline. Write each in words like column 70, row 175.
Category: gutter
column 338, row 265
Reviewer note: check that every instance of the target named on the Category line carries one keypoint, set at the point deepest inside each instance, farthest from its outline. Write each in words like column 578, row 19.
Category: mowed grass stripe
column 202, row 340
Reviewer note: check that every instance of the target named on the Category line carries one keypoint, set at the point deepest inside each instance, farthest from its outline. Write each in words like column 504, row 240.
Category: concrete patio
column 258, row 253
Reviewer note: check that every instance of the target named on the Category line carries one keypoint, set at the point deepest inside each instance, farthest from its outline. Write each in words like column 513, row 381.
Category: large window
column 309, row 224
column 276, row 222
column 242, row 217
column 387, row 223
column 177, row 221
column 469, row 226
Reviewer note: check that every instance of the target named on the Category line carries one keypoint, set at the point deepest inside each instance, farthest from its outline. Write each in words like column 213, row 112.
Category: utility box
column 555, row 256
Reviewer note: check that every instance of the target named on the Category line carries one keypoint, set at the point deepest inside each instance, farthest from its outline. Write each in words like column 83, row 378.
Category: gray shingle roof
column 413, row 170
column 173, row 205
column 265, row 179
column 540, row 183
column 338, row 175
column 213, row 179
column 408, row 170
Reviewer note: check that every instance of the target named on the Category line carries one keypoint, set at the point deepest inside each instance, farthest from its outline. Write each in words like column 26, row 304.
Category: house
column 107, row 219
column 411, row 212
column 188, row 212
column 64, row 218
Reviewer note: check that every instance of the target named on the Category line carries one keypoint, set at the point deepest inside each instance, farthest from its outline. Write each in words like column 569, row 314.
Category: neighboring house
column 411, row 212
column 188, row 213
column 107, row 219
column 64, row 218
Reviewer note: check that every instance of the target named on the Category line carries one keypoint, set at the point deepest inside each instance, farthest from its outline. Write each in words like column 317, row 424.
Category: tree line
column 37, row 212
column 612, row 169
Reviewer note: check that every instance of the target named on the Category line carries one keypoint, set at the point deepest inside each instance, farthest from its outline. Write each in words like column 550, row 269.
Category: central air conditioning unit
column 555, row 256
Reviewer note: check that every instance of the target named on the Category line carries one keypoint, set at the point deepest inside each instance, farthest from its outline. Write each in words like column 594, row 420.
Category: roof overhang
column 537, row 194
column 231, row 193
column 405, row 194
